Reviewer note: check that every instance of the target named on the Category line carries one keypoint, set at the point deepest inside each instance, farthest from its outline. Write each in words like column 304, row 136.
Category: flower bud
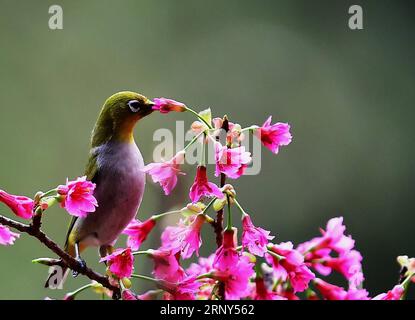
column 47, row 261
column 241, row 137
column 198, row 127
column 311, row 295
column 250, row 256
column 402, row 260
column 126, row 283
column 196, row 207
column 69, row 297
column 167, row 105
column 192, row 208
column 149, row 295
column 219, row 204
column 44, row 206
column 229, row 190
column 100, row 289
column 128, row 295
column 408, row 263
column 38, row 196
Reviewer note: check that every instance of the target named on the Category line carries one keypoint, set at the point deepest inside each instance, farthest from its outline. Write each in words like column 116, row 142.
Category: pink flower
column 288, row 264
column 231, row 162
column 169, row 241
column 166, row 265
column 347, row 264
column 262, row 293
column 236, row 279
column 347, row 261
column 166, row 173
column 234, row 130
column 149, row 295
column 218, row 123
column 184, row 238
column 315, row 255
column 226, row 256
column 121, row 262
column 333, row 292
column 128, row 295
column 334, row 236
column 7, row 237
column 185, row 289
column 202, row 187
column 20, row 205
column 275, row 135
column 165, row 105
column 394, row 294
column 254, row 238
column 203, row 266
column 138, row 231
column 287, row 293
column 78, row 197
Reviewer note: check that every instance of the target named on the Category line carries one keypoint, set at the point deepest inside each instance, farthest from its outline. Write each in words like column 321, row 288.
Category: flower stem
column 139, row 276
column 209, row 205
column 229, row 222
column 193, row 140
column 208, row 218
column 201, row 118
column 203, row 160
column 239, row 207
column 136, row 253
column 77, row 291
column 205, row 275
column 276, row 255
column 249, row 128
column 49, row 193
column 405, row 285
column 161, row 215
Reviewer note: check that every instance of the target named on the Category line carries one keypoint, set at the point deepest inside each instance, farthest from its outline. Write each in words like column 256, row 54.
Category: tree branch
column 218, row 225
column 68, row 261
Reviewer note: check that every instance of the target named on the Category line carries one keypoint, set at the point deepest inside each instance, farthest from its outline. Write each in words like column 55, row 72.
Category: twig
column 218, row 225
column 67, row 260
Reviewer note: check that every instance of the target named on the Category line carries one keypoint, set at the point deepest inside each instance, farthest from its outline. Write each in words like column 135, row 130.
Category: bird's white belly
column 119, row 191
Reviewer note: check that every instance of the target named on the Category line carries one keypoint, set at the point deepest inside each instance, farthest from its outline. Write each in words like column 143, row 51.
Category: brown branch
column 218, row 224
column 67, row 260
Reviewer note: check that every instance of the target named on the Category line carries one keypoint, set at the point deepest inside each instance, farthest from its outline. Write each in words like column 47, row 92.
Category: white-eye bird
column 115, row 166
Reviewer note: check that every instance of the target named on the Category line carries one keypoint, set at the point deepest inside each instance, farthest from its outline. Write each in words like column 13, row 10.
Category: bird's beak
column 149, row 106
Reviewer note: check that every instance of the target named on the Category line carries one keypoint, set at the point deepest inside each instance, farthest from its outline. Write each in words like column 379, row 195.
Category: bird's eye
column 134, row 105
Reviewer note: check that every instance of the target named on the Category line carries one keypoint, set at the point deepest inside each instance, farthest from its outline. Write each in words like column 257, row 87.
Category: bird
column 115, row 166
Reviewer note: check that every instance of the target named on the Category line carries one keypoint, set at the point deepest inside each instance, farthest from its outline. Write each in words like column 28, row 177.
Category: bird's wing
column 91, row 172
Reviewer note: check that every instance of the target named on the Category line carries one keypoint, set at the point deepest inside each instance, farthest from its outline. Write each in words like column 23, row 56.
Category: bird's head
column 118, row 117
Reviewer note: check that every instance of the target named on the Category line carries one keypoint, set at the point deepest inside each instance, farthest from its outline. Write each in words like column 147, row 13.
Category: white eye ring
column 134, row 105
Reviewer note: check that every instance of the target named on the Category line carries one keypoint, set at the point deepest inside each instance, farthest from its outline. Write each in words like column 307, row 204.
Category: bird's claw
column 116, row 295
column 82, row 265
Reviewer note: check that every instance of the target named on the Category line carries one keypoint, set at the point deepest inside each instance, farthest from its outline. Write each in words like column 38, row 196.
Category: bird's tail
column 58, row 274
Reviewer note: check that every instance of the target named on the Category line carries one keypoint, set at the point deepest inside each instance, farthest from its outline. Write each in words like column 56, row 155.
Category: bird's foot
column 82, row 265
column 116, row 295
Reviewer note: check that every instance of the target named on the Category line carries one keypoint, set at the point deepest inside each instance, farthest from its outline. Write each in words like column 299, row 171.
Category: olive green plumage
column 114, row 165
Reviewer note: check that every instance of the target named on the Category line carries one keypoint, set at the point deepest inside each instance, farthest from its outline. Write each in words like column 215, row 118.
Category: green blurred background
column 347, row 94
